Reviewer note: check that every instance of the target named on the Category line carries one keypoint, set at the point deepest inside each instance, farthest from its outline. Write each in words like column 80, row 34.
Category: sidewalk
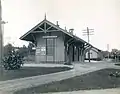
column 102, row 91
column 48, row 65
column 79, row 69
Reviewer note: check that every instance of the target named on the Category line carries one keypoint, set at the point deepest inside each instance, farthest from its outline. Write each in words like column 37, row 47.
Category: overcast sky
column 101, row 15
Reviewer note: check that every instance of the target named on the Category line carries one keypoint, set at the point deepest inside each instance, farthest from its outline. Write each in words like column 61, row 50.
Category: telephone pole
column 1, row 40
column 88, row 33
column 1, row 37
column 108, row 50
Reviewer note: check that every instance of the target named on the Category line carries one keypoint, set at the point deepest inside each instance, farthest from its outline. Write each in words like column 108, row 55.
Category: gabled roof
column 54, row 26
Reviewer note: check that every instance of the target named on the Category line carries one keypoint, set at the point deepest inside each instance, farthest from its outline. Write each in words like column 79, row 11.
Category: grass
column 29, row 71
column 94, row 80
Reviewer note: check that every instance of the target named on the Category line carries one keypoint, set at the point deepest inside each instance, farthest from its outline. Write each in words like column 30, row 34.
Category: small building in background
column 95, row 54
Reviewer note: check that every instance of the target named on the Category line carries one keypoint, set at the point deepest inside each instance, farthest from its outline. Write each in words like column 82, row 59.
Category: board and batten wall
column 58, row 52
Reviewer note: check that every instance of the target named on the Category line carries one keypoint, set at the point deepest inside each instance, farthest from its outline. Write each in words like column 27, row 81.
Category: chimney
column 57, row 24
column 71, row 30
column 65, row 28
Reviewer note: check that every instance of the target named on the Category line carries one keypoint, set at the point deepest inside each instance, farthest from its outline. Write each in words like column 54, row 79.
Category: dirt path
column 79, row 69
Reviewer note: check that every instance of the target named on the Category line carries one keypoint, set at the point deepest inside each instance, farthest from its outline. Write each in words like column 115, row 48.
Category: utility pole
column 1, row 37
column 88, row 33
column 108, row 50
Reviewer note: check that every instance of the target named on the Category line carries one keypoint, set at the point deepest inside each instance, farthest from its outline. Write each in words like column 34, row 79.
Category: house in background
column 57, row 45
column 95, row 54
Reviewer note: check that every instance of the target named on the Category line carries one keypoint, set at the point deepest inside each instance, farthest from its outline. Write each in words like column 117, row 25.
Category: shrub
column 116, row 74
column 13, row 61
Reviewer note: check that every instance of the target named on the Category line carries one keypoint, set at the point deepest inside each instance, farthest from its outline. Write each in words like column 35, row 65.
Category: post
column 108, row 50
column 1, row 38
column 88, row 33
column 88, row 42
column 115, row 58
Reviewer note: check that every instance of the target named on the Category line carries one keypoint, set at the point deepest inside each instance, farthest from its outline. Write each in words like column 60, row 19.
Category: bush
column 13, row 61
column 116, row 74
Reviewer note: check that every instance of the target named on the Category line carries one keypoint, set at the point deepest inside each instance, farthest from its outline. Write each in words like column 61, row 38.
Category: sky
column 101, row 15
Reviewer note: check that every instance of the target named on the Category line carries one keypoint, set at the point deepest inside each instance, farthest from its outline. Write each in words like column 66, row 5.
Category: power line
column 88, row 33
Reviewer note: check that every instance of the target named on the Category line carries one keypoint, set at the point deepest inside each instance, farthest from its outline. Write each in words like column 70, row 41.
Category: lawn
column 94, row 80
column 30, row 71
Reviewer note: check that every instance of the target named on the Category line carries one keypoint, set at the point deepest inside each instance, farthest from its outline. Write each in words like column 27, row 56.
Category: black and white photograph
column 59, row 47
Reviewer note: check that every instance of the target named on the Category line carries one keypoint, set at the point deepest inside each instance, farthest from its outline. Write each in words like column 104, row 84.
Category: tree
column 105, row 54
column 115, row 54
column 24, row 46
column 30, row 46
column 8, row 49
column 23, row 51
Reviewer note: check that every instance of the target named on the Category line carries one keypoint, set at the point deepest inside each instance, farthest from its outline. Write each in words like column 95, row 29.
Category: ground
column 29, row 71
column 79, row 68
column 95, row 80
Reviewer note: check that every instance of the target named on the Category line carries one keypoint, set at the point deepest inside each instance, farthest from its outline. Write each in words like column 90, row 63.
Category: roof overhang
column 30, row 35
